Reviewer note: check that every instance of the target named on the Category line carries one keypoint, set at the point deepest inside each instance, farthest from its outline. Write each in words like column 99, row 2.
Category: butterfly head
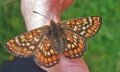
column 52, row 22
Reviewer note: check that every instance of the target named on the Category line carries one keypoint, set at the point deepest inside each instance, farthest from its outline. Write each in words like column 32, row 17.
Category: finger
column 67, row 65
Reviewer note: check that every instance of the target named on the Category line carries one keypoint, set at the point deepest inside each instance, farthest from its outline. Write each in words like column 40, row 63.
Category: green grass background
column 103, row 53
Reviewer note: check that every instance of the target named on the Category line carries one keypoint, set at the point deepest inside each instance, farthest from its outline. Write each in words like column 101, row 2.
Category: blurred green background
column 103, row 53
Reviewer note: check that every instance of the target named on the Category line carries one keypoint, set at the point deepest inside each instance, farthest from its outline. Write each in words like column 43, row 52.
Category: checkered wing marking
column 45, row 54
column 86, row 27
column 24, row 44
column 75, row 45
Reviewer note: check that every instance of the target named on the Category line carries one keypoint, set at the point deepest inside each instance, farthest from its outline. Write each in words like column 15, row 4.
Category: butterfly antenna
column 42, row 15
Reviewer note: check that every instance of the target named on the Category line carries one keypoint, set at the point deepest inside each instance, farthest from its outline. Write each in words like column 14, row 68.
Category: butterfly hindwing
column 24, row 44
column 45, row 54
column 75, row 45
column 86, row 27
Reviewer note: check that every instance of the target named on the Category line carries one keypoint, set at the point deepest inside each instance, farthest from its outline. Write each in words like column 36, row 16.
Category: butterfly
column 47, row 43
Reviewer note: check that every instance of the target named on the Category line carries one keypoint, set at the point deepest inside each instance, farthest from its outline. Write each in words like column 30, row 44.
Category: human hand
column 32, row 20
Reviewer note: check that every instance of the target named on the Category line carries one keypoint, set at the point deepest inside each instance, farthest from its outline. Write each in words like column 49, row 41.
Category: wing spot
column 92, row 28
column 13, row 45
column 38, row 30
column 32, row 47
column 90, row 31
column 24, row 50
column 72, row 55
column 82, row 33
column 69, row 46
column 23, row 40
column 30, row 36
column 45, row 53
column 38, row 54
column 36, row 39
column 73, row 45
column 54, row 58
column 18, row 53
column 90, row 20
column 84, row 21
column 41, row 47
column 16, row 40
column 27, row 44
column 48, row 44
column 87, row 35
column 66, row 53
column 74, row 36
column 76, row 55
column 28, row 52
column 34, row 33
column 41, row 58
column 55, row 52
column 68, row 22
column 83, row 27
column 55, row 62
column 88, row 26
column 78, row 49
column 75, row 28
column 48, row 53
column 72, row 22
column 79, row 21
column 66, row 49
column 45, row 60
column 23, row 44
column 50, row 63
column 75, row 40
column 22, row 36
column 81, row 46
column 51, row 50
column 68, row 38
column 71, row 52
column 11, row 42
column 80, row 53
column 49, row 59
column 27, row 36
column 75, row 51
column 43, row 50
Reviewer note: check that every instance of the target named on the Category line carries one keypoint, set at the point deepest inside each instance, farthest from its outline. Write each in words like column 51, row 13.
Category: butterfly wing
column 45, row 54
column 86, row 27
column 24, row 45
column 75, row 45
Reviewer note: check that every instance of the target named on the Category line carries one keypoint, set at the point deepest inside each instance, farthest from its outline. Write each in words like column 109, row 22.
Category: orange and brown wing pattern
column 45, row 53
column 86, row 27
column 75, row 45
column 24, row 45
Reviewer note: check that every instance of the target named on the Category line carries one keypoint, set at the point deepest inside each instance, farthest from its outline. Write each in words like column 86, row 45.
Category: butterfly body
column 48, row 42
column 55, row 33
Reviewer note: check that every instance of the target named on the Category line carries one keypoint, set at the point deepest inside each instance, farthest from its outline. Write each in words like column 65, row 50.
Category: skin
column 33, row 20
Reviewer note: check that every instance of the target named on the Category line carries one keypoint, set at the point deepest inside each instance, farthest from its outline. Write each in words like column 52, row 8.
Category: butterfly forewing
column 75, row 45
column 86, row 27
column 45, row 54
column 24, row 44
